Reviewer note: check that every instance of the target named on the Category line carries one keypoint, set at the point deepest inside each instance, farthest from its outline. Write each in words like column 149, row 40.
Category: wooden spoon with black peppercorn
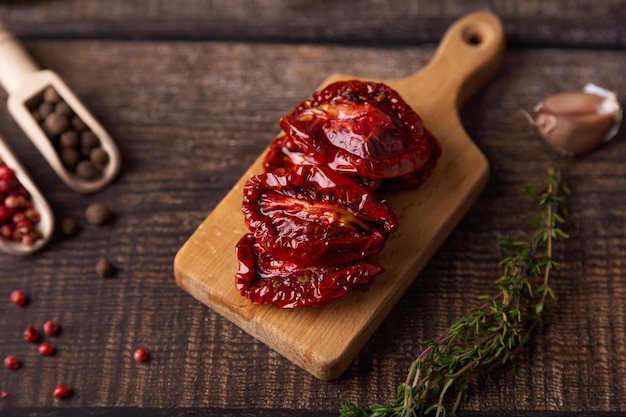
column 77, row 147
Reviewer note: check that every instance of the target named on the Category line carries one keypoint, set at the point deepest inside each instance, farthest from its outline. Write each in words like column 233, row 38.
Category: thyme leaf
column 492, row 334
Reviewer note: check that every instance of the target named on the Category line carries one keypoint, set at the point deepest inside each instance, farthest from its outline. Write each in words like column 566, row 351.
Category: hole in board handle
column 476, row 34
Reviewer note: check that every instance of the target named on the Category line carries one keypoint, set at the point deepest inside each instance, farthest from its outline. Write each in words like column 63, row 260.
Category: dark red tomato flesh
column 417, row 178
column 265, row 279
column 279, row 156
column 354, row 127
column 314, row 216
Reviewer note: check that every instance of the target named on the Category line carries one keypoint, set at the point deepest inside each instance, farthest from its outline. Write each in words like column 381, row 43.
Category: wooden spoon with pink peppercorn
column 45, row 226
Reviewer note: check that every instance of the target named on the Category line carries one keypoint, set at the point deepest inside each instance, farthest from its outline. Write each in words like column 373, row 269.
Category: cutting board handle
column 468, row 56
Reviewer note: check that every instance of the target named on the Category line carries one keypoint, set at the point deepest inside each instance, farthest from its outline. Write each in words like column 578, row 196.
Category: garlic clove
column 576, row 122
column 570, row 103
column 574, row 135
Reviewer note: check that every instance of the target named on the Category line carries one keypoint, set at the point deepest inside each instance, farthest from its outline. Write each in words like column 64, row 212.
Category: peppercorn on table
column 191, row 93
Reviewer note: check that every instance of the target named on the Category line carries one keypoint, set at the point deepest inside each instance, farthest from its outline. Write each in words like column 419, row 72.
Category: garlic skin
column 576, row 122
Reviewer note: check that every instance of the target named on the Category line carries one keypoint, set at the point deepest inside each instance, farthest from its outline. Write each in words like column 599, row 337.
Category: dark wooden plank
column 164, row 412
column 605, row 32
column 189, row 118
column 230, row 412
column 556, row 23
column 299, row 9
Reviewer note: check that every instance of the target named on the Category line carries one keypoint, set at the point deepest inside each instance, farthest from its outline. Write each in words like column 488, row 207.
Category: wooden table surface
column 191, row 91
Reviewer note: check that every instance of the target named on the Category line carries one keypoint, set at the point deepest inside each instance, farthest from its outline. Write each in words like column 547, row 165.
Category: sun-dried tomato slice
column 279, row 156
column 417, row 178
column 265, row 279
column 354, row 127
column 314, row 216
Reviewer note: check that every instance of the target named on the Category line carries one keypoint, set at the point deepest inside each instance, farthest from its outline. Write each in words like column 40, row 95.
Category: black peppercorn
column 63, row 108
column 51, row 95
column 98, row 213
column 78, row 124
column 104, row 268
column 70, row 158
column 69, row 139
column 88, row 141
column 99, row 157
column 45, row 109
column 56, row 123
column 69, row 226
column 70, row 136
column 86, row 170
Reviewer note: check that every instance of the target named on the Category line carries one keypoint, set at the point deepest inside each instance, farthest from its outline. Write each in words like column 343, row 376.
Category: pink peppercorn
column 46, row 349
column 5, row 213
column 6, row 231
column 12, row 202
column 19, row 297
column 61, row 391
column 50, row 328
column 28, row 240
column 5, row 186
column 17, row 215
column 24, row 226
column 31, row 334
column 11, row 362
column 140, row 355
column 6, row 173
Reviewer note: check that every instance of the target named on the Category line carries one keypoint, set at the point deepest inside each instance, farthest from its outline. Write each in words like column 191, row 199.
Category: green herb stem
column 490, row 335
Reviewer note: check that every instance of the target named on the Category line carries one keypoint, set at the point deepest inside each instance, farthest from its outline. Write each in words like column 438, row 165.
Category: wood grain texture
column 189, row 119
column 556, row 23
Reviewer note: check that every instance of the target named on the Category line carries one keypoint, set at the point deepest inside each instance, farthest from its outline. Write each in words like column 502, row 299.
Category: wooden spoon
column 25, row 82
column 45, row 225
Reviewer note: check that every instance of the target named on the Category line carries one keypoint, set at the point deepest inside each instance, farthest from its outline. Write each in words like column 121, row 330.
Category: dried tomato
column 354, row 127
column 314, row 220
column 314, row 216
column 265, row 279
column 417, row 178
column 278, row 156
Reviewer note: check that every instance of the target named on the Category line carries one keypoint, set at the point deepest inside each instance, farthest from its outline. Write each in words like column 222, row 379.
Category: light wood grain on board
column 325, row 340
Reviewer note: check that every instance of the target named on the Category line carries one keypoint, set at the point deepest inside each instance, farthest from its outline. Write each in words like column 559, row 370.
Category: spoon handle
column 15, row 61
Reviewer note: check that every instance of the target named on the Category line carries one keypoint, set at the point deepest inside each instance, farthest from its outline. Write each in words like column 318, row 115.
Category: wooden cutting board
column 325, row 340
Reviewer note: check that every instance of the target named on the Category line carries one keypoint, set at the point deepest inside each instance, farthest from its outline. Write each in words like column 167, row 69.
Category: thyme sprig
column 492, row 334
